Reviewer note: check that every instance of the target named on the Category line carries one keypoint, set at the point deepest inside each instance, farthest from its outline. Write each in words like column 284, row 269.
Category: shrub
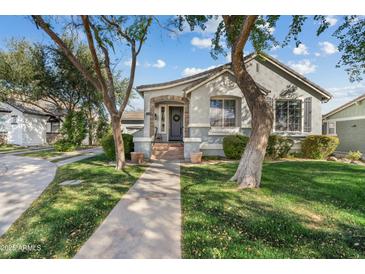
column 107, row 142
column 64, row 145
column 319, row 146
column 3, row 139
column 73, row 130
column 234, row 145
column 354, row 155
column 278, row 146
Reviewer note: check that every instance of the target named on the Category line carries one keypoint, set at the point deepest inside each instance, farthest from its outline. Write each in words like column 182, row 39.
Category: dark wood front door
column 176, row 124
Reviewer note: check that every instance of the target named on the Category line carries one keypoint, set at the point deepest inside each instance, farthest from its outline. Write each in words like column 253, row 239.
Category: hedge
column 107, row 142
column 278, row 146
column 234, row 145
column 319, row 146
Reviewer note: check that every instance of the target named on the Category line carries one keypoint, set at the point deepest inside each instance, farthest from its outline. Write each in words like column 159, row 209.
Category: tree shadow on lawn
column 221, row 222
column 64, row 217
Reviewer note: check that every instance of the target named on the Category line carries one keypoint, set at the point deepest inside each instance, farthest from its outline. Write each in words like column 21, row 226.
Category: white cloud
column 317, row 54
column 266, row 26
column 332, row 20
column 301, row 50
column 159, row 64
column 193, row 70
column 210, row 26
column 328, row 48
column 129, row 63
column 303, row 67
column 201, row 42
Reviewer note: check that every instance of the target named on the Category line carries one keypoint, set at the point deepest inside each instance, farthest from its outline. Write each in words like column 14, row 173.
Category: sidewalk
column 146, row 223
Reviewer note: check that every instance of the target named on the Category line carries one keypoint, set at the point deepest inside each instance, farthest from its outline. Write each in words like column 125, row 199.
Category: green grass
column 44, row 154
column 9, row 148
column 64, row 217
column 302, row 210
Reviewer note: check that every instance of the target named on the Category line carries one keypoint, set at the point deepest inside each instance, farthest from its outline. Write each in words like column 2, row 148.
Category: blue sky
column 166, row 57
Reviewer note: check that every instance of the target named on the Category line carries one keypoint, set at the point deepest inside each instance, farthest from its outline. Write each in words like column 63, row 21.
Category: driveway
column 22, row 180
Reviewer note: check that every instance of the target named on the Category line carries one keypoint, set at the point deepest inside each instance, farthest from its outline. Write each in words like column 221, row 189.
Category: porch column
column 152, row 117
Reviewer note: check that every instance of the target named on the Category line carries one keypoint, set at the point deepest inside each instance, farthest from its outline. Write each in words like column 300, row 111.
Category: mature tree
column 351, row 35
column 34, row 74
column 43, row 76
column 235, row 32
column 104, row 34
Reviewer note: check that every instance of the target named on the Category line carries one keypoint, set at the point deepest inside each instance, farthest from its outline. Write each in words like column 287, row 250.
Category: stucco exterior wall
column 278, row 82
column 356, row 110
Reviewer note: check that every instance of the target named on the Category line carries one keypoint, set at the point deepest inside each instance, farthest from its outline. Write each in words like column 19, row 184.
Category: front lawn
column 44, row 154
column 64, row 217
column 302, row 210
column 10, row 148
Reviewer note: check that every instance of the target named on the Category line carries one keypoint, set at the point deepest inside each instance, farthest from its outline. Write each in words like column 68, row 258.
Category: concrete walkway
column 146, row 223
column 84, row 155
column 22, row 180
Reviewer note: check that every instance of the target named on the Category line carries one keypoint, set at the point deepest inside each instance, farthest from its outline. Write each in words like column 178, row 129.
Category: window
column 163, row 119
column 331, row 128
column 2, row 122
column 288, row 115
column 222, row 113
column 14, row 119
column 53, row 127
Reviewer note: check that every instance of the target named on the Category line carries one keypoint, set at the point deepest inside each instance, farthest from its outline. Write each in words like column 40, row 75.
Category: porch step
column 167, row 151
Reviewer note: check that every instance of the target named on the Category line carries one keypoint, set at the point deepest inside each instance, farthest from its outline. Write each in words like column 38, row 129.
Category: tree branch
column 43, row 25
column 244, row 35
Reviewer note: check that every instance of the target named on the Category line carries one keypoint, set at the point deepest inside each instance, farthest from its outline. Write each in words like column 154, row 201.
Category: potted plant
column 196, row 157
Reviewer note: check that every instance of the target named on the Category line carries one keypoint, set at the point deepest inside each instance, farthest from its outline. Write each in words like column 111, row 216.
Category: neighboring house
column 132, row 122
column 199, row 110
column 27, row 125
column 348, row 123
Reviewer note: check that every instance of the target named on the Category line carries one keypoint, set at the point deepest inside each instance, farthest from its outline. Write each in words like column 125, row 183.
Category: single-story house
column 27, row 125
column 199, row 110
column 348, row 123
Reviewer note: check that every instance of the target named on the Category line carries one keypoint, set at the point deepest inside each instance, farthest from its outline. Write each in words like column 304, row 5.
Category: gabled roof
column 344, row 106
column 197, row 79
column 205, row 80
column 25, row 108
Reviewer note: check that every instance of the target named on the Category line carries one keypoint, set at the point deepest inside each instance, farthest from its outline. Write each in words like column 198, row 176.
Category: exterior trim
column 345, row 119
column 348, row 104
column 192, row 140
column 211, row 146
column 199, row 125
column 142, row 139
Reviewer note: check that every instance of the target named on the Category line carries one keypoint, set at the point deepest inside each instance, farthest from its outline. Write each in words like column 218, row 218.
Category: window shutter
column 308, row 114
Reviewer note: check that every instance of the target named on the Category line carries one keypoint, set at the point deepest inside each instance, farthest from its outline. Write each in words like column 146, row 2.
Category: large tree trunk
column 248, row 174
column 118, row 141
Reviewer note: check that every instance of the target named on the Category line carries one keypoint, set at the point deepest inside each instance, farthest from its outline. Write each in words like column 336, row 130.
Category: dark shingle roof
column 202, row 76
column 25, row 108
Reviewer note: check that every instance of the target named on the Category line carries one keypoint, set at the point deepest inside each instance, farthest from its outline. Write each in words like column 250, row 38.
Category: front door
column 176, row 124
